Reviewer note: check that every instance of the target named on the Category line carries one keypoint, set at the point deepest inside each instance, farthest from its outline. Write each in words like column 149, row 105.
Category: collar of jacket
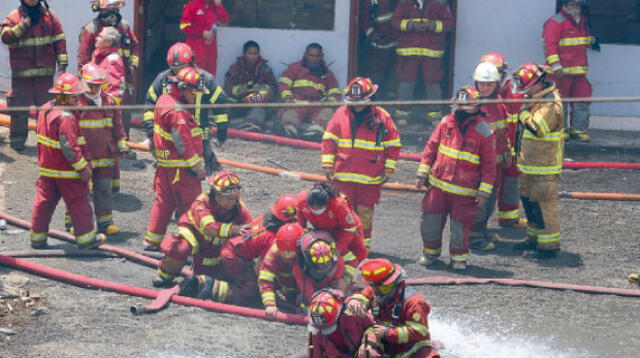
column 583, row 19
column 549, row 88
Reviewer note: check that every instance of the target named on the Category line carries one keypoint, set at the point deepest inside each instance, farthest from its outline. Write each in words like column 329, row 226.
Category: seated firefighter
column 307, row 81
column 250, row 80
column 210, row 221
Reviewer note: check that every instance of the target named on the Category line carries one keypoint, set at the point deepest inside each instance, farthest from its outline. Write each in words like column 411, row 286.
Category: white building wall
column 74, row 14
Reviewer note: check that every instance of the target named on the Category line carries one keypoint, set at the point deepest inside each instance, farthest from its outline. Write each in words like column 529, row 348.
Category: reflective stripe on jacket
column 299, row 83
column 104, row 132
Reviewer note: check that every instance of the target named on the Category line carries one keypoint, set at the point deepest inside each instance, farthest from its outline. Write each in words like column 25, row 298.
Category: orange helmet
column 359, row 89
column 466, row 93
column 67, row 83
column 325, row 307
column 380, row 272
column 180, row 54
column 225, row 181
column 288, row 235
column 91, row 73
column 189, row 77
column 286, row 208
column 527, row 75
column 497, row 59
column 319, row 252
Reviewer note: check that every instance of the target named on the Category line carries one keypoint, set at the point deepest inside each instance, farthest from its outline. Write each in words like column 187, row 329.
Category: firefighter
column 200, row 20
column 566, row 38
column 33, row 33
column 179, row 56
column 251, row 80
column 335, row 331
column 423, row 26
column 508, row 194
column 401, row 314
column 325, row 208
column 381, row 41
column 178, row 151
column 106, row 139
column 213, row 218
column 278, row 288
column 458, row 168
column 308, row 80
column 540, row 157
column 487, row 82
column 106, row 56
column 64, row 167
column 359, row 150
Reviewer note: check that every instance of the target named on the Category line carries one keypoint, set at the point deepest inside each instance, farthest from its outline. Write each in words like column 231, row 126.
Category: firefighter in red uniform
column 200, row 19
column 336, row 332
column 400, row 313
column 178, row 151
column 106, row 139
column 106, row 56
column 324, row 208
column 278, row 288
column 508, row 193
column 423, row 25
column 359, row 150
column 458, row 167
column 382, row 38
column 36, row 43
column 64, row 167
column 566, row 38
column 250, row 80
column 308, row 80
column 487, row 79
column 212, row 219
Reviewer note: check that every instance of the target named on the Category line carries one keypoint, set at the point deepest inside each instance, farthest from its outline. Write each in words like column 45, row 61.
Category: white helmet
column 486, row 72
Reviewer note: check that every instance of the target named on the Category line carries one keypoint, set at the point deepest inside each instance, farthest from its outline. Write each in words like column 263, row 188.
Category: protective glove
column 85, row 175
column 211, row 163
column 422, row 182
column 221, row 134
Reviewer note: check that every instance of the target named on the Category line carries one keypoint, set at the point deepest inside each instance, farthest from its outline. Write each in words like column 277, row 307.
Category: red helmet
column 288, row 235
column 466, row 93
column 319, row 250
column 180, row 54
column 91, row 73
column 286, row 208
column 225, row 181
column 67, row 83
column 325, row 307
column 497, row 59
column 380, row 272
column 189, row 77
column 359, row 89
column 526, row 76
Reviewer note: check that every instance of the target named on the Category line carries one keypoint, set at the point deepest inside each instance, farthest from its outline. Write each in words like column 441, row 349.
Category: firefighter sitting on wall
column 401, row 314
column 179, row 56
column 306, row 81
column 211, row 220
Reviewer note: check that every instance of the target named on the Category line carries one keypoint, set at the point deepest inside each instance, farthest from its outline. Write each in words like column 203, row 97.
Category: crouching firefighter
column 401, row 315
column 212, row 219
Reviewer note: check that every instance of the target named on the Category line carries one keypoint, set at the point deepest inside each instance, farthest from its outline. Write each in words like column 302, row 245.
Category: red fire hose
column 89, row 282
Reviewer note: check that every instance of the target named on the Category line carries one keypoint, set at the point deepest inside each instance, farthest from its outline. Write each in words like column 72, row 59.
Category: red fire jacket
column 299, row 83
column 345, row 341
column 34, row 51
column 276, row 274
column 497, row 118
column 103, row 130
column 409, row 330
column 176, row 135
column 256, row 243
column 241, row 78
column 206, row 226
column 62, row 148
column 199, row 16
column 375, row 17
column 462, row 164
column 566, row 42
column 112, row 64
column 308, row 285
column 364, row 157
column 422, row 44
column 512, row 109
column 129, row 47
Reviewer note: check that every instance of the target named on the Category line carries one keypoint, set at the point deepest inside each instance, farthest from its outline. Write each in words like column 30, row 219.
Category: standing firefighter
column 178, row 150
column 401, row 315
column 458, row 167
column 359, row 150
column 540, row 158
column 180, row 56
column 64, row 167
column 36, row 43
column 566, row 38
column 200, row 19
column 423, row 25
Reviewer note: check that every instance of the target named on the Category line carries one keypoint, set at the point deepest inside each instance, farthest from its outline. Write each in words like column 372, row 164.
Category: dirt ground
column 599, row 247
